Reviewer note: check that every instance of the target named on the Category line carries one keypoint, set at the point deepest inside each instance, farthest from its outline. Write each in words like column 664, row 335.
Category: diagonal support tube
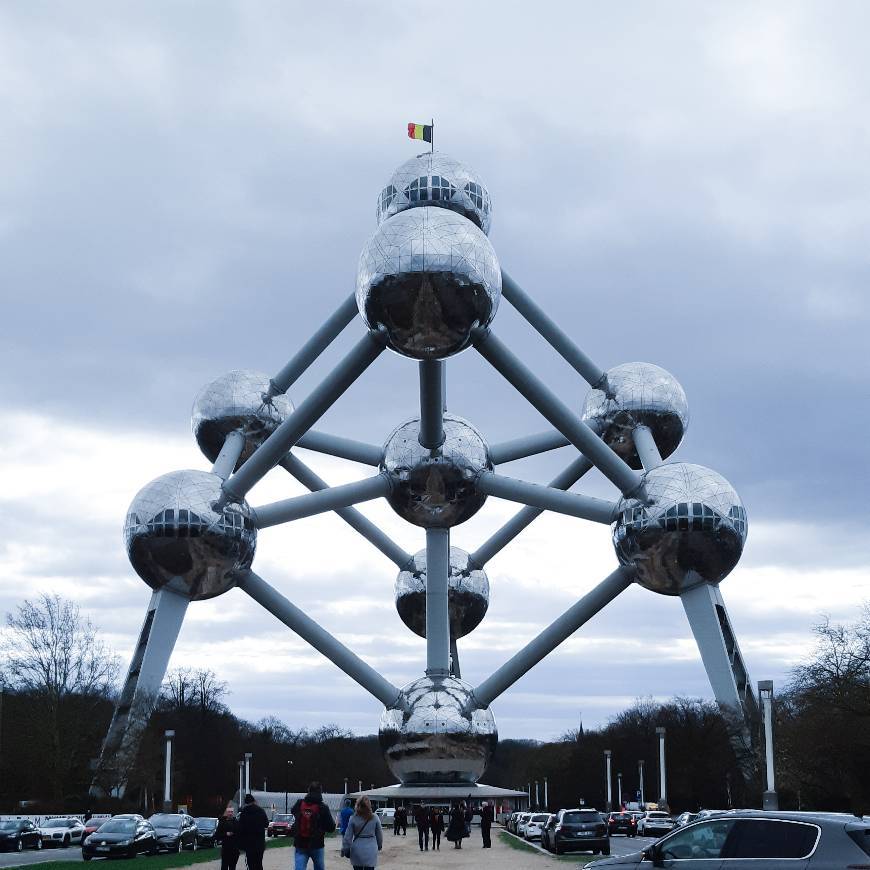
column 226, row 460
column 329, row 499
column 550, row 330
column 308, row 412
column 499, row 356
column 530, row 445
column 519, row 521
column 351, row 516
column 344, row 448
column 319, row 638
column 437, row 614
column 432, row 399
column 585, row 507
column 646, row 447
column 552, row 636
column 314, row 347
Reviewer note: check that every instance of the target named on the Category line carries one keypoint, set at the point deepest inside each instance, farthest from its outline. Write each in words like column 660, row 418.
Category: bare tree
column 184, row 688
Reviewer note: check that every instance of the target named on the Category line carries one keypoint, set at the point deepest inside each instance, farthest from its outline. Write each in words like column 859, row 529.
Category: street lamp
column 546, row 795
column 640, row 781
column 287, row 782
column 248, row 756
column 663, row 782
column 167, row 778
column 241, row 783
column 607, row 756
column 537, row 797
column 765, row 694
column 619, row 789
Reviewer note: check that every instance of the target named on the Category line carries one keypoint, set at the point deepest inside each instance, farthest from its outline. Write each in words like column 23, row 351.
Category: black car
column 622, row 823
column 205, row 828
column 19, row 834
column 576, row 831
column 175, row 831
column 752, row 840
column 120, row 838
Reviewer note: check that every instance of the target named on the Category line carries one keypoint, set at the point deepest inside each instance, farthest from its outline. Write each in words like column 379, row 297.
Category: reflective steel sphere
column 440, row 181
column 429, row 277
column 235, row 401
column 642, row 393
column 433, row 740
column 692, row 532
column 436, row 489
column 175, row 538
column 467, row 595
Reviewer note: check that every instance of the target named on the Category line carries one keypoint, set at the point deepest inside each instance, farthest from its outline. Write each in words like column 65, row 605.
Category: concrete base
column 770, row 800
column 445, row 794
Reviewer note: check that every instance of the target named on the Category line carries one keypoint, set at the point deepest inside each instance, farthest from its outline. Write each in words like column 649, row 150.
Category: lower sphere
column 176, row 539
column 467, row 596
column 434, row 739
column 692, row 531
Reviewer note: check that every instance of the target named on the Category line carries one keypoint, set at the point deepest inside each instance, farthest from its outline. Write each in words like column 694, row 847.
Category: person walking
column 251, row 832
column 456, row 827
column 311, row 821
column 344, row 815
column 421, row 820
column 486, row 817
column 436, row 825
column 363, row 837
column 226, row 834
column 401, row 821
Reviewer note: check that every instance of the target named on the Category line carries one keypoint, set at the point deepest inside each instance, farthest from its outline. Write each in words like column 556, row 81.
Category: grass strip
column 516, row 843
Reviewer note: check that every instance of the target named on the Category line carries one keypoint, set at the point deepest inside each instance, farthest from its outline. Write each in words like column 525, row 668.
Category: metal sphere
column 467, row 594
column 175, row 538
column 428, row 276
column 639, row 393
column 436, row 489
column 691, row 532
column 235, row 401
column 429, row 737
column 436, row 180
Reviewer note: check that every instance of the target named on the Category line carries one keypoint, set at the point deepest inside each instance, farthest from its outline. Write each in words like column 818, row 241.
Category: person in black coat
column 456, row 827
column 251, row 831
column 226, row 834
column 486, row 817
column 421, row 820
column 436, row 824
column 312, row 814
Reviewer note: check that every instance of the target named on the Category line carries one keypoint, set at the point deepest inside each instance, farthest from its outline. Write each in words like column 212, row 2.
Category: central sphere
column 638, row 394
column 428, row 276
column 467, row 594
column 235, row 401
column 434, row 740
column 691, row 532
column 436, row 489
column 176, row 539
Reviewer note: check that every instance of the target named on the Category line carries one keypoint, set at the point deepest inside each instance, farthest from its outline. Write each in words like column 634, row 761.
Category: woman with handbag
column 363, row 838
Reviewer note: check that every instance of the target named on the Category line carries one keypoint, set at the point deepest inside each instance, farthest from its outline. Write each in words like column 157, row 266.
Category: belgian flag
column 420, row 131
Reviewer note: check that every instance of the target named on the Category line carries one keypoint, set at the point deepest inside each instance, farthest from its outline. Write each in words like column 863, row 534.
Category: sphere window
column 418, row 190
column 442, row 189
column 388, row 194
column 478, row 196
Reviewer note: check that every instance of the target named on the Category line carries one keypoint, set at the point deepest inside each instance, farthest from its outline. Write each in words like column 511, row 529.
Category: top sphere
column 176, row 539
column 234, row 401
column 691, row 530
column 439, row 180
column 640, row 394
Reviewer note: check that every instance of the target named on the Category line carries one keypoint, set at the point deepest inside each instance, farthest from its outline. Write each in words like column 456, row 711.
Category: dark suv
column 576, row 831
column 622, row 823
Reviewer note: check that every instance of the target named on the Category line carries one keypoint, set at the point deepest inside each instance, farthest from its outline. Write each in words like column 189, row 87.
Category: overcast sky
column 185, row 189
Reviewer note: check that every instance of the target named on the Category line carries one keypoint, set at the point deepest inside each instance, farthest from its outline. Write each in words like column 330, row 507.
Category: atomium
column 436, row 488
column 638, row 394
column 176, row 539
column 237, row 401
column 468, row 594
column 691, row 531
column 428, row 276
column 431, row 735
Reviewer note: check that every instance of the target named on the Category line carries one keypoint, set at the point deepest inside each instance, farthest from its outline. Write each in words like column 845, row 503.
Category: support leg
column 646, row 447
column 226, row 460
column 432, row 398
column 437, row 613
column 141, row 689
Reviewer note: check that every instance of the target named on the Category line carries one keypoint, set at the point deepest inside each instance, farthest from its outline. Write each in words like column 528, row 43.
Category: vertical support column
column 765, row 694
column 248, row 772
column 663, row 780
column 167, row 774
column 241, row 783
column 546, row 794
column 537, row 796
column 640, row 782
column 437, row 614
column 608, row 779
column 432, row 394
column 619, row 801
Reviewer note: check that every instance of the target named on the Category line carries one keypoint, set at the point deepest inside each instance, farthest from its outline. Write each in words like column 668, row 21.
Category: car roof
column 790, row 816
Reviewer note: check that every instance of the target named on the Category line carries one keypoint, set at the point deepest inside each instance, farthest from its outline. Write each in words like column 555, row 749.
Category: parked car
column 747, row 837
column 61, row 832
column 120, row 837
column 521, row 824
column 387, row 815
column 622, row 823
column 282, row 824
column 534, row 824
column 92, row 825
column 205, row 830
column 175, row 831
column 16, row 835
column 510, row 822
column 576, row 830
column 654, row 823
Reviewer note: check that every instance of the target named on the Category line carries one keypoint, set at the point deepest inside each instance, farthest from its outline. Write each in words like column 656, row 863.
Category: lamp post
column 765, row 693
column 248, row 756
column 241, row 783
column 619, row 790
column 607, row 775
column 287, row 783
column 663, row 783
column 359, row 785
column 345, row 786
column 537, row 796
column 640, row 781
column 546, row 795
column 167, row 776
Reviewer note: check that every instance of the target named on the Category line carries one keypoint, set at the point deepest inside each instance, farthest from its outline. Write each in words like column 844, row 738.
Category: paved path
column 34, row 856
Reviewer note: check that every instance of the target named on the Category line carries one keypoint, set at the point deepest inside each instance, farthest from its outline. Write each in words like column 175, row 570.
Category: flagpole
column 432, row 143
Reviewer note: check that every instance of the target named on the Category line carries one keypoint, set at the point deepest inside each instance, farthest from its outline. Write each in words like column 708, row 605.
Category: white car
column 654, row 823
column 61, row 832
column 534, row 825
column 521, row 823
column 387, row 815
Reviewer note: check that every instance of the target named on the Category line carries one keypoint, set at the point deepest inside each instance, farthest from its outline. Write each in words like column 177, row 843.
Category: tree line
column 59, row 683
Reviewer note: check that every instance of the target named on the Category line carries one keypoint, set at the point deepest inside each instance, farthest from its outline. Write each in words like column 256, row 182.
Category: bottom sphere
column 435, row 740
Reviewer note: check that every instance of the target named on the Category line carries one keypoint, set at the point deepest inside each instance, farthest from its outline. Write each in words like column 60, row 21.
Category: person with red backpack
column 312, row 819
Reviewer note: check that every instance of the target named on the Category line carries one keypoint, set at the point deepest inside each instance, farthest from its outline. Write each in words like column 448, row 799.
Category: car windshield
column 9, row 825
column 163, row 820
column 118, row 826
column 575, row 818
column 55, row 823
column 206, row 823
